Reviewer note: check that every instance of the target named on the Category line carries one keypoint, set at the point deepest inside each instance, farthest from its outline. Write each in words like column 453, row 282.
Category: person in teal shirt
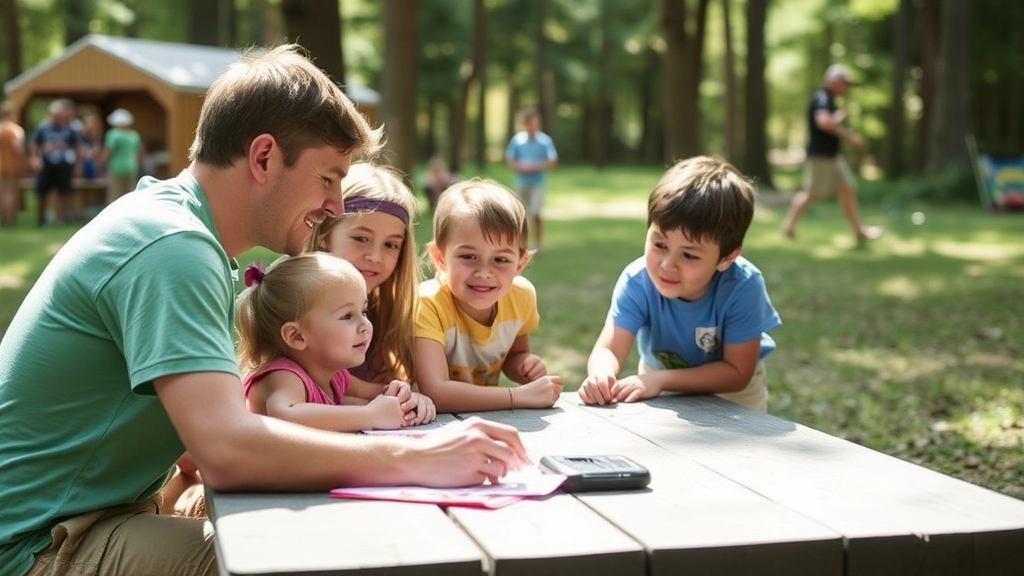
column 121, row 357
column 121, row 150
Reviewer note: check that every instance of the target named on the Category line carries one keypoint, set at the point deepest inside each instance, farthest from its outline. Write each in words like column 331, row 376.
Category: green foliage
column 363, row 41
column 954, row 185
column 802, row 38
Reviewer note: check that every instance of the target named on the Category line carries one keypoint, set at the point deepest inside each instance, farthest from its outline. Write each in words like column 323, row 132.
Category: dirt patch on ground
column 638, row 208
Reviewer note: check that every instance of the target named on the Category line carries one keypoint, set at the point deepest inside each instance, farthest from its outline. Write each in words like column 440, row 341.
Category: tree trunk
column 542, row 75
column 398, row 80
column 77, row 14
column 730, row 85
column 514, row 103
column 203, row 22
column 755, row 145
column 12, row 37
column 897, row 116
column 650, row 137
column 1013, row 99
column 929, row 11
column 316, row 25
column 602, row 107
column 682, row 64
column 228, row 19
column 952, row 105
column 480, row 59
column 254, row 23
column 461, row 114
column 273, row 25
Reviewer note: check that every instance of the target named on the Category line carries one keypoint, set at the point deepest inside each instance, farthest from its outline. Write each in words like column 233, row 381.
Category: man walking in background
column 530, row 153
column 825, row 170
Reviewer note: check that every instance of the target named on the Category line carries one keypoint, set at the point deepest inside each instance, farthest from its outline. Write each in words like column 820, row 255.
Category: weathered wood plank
column 556, row 535
column 897, row 517
column 314, row 534
column 691, row 520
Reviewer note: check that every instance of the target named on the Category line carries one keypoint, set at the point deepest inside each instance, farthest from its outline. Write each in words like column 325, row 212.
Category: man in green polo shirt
column 121, row 356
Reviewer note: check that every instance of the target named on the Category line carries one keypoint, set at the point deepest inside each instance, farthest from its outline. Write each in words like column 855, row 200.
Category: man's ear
column 262, row 151
column 728, row 259
column 291, row 335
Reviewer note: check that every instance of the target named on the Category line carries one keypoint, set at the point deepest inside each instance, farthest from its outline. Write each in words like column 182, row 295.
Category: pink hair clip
column 254, row 274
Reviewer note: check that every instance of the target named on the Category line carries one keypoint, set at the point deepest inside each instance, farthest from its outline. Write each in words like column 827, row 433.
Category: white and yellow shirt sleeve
column 475, row 352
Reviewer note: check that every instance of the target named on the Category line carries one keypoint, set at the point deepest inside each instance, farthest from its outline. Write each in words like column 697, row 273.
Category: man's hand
column 468, row 453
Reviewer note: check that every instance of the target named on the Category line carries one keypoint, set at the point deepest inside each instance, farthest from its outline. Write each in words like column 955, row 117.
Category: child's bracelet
column 511, row 402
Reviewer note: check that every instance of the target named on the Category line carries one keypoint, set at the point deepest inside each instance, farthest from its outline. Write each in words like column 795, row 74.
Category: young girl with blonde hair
column 476, row 315
column 375, row 235
column 301, row 325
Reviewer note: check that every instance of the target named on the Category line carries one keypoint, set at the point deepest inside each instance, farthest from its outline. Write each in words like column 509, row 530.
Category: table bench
column 733, row 492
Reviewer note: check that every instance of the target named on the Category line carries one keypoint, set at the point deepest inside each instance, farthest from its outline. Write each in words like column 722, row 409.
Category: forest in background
column 638, row 82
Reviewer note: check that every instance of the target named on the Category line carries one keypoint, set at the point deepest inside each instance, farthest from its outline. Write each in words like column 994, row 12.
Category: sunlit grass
column 912, row 345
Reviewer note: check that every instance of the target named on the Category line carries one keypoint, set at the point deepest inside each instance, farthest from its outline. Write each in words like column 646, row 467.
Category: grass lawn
column 911, row 345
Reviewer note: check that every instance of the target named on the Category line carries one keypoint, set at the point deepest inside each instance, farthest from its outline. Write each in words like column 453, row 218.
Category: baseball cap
column 839, row 71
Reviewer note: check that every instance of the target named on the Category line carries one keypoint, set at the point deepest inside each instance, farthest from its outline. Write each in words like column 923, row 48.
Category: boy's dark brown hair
column 281, row 93
column 707, row 199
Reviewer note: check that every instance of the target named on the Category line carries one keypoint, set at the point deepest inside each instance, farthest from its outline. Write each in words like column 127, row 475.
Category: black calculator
column 593, row 473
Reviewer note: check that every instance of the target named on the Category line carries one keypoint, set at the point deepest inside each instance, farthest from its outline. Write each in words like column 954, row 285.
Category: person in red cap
column 825, row 170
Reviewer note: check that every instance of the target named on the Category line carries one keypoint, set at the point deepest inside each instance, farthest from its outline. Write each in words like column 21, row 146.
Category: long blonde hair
column 285, row 292
column 392, row 305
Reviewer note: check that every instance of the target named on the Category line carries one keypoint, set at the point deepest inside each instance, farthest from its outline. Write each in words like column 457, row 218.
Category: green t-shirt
column 124, row 148
column 144, row 290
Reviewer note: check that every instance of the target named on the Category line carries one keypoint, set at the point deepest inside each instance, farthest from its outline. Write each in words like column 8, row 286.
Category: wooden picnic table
column 733, row 492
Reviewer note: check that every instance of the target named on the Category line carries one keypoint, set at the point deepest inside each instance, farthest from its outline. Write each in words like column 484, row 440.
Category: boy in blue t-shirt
column 530, row 153
column 699, row 312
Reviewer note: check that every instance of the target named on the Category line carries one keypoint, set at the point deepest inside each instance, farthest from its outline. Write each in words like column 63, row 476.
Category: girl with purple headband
column 375, row 235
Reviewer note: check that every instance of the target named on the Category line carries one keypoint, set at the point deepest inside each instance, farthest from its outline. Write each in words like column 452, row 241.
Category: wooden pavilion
column 161, row 83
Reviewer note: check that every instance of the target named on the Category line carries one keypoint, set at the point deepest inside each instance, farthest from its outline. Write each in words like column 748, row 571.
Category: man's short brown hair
column 281, row 93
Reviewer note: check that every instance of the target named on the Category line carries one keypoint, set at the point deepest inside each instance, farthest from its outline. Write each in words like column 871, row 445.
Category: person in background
column 697, row 310
column 89, row 201
column 12, row 165
column 121, row 357
column 436, row 179
column 55, row 153
column 122, row 151
column 825, row 170
column 476, row 315
column 531, row 153
column 91, row 135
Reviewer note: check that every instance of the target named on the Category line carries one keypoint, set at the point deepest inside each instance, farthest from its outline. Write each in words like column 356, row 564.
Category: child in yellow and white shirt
column 475, row 316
